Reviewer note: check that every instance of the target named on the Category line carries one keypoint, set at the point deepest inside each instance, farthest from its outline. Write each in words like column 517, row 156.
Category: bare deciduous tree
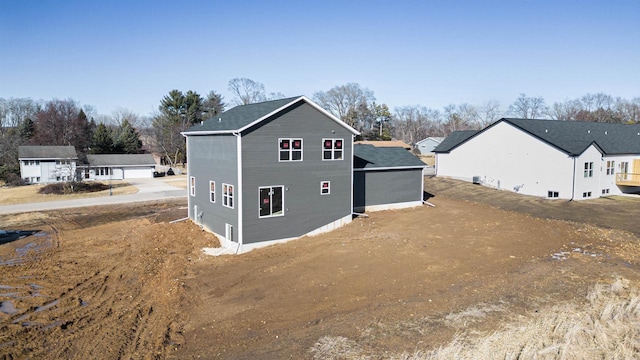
column 246, row 91
column 348, row 102
column 529, row 107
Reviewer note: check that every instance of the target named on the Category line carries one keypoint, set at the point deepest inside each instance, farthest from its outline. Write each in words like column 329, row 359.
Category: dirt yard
column 123, row 282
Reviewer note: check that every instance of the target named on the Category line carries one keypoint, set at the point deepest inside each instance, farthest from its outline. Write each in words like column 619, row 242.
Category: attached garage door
column 138, row 172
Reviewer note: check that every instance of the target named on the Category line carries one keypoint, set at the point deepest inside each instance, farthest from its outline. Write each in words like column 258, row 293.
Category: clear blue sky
column 129, row 54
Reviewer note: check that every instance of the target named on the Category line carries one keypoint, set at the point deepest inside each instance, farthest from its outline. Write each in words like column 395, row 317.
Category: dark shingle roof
column 370, row 157
column 453, row 140
column 47, row 152
column 121, row 160
column 571, row 137
column 240, row 116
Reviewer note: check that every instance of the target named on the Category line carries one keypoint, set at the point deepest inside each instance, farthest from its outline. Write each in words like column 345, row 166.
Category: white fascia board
column 392, row 168
column 196, row 133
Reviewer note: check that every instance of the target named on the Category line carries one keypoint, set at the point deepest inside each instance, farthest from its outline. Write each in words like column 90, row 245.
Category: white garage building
column 119, row 166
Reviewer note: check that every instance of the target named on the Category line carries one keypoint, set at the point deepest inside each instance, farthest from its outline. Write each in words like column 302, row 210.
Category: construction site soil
column 123, row 282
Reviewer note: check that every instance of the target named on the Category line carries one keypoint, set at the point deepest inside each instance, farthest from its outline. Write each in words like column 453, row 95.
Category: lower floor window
column 271, row 200
column 552, row 194
column 586, row 194
column 605, row 191
column 227, row 195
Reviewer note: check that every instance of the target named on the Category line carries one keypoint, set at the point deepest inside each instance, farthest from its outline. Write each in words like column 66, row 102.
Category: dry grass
column 179, row 181
column 606, row 326
column 29, row 194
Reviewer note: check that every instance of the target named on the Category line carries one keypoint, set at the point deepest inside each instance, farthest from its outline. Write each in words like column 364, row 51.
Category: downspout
column 573, row 184
column 239, row 188
column 353, row 138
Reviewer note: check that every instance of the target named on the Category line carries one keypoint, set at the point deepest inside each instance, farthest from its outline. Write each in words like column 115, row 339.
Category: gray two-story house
column 270, row 172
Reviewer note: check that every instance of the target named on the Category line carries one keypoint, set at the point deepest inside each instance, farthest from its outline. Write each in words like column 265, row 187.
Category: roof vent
column 546, row 130
column 219, row 119
column 588, row 131
column 606, row 133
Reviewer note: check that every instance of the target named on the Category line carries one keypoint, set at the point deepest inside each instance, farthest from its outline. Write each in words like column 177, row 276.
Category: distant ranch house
column 47, row 164
column 426, row 146
column 547, row 158
column 119, row 166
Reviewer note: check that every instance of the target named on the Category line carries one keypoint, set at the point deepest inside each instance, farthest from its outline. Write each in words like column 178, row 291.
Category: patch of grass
column 30, row 193
column 605, row 326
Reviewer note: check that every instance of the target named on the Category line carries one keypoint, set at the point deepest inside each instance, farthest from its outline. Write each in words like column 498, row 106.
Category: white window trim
column 588, row 169
column 291, row 149
column 328, row 188
column 611, row 169
column 271, row 202
column 333, row 151
column 192, row 185
column 555, row 194
column 228, row 196
column 212, row 192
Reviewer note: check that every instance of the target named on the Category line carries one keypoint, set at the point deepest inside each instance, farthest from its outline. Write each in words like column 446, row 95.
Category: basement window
column 552, row 194
column 290, row 149
column 325, row 187
column 227, row 195
column 271, row 201
column 586, row 194
column 605, row 191
column 332, row 149
column 192, row 186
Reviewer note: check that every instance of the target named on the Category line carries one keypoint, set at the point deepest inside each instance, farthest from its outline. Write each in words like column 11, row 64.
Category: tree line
column 65, row 122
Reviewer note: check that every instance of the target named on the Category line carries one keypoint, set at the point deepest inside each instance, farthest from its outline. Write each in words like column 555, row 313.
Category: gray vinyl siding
column 305, row 209
column 386, row 187
column 213, row 158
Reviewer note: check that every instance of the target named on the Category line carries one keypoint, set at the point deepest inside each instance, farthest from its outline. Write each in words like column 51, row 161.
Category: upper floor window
column 31, row 162
column 332, row 149
column 192, row 186
column 227, row 195
column 588, row 169
column 610, row 166
column 290, row 149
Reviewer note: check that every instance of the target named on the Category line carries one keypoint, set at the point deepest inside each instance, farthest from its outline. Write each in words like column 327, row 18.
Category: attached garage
column 120, row 166
column 386, row 178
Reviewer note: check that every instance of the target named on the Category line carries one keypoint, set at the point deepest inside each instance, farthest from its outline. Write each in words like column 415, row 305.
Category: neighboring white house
column 47, row 164
column 119, row 166
column 546, row 158
column 426, row 146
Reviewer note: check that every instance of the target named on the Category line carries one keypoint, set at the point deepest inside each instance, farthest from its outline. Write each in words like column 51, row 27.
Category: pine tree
column 128, row 141
column 102, row 140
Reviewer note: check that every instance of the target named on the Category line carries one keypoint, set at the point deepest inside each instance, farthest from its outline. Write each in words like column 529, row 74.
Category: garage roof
column 121, row 160
column 369, row 157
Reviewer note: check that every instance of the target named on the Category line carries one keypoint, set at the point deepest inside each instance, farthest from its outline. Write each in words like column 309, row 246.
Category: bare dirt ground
column 122, row 282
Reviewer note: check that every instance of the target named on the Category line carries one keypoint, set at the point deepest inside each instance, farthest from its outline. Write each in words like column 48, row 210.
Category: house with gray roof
column 118, row 166
column 386, row 178
column 547, row 158
column 426, row 146
column 269, row 172
column 47, row 164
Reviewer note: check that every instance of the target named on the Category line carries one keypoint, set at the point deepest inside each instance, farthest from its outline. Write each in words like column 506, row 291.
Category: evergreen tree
column 25, row 130
column 128, row 141
column 102, row 140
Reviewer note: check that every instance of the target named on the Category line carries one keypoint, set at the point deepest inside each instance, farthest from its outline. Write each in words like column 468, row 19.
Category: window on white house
column 552, row 194
column 271, row 201
column 586, row 194
column 605, row 191
column 227, row 195
column 212, row 191
column 325, row 187
column 610, row 167
column 332, row 149
column 290, row 149
column 192, row 185
column 588, row 169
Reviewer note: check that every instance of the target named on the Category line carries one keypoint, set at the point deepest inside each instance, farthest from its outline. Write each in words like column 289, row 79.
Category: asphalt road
column 148, row 190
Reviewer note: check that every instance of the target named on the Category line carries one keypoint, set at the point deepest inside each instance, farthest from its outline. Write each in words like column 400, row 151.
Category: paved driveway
column 148, row 190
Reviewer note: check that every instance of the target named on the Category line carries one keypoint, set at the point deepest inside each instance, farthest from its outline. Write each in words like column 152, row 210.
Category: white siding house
column 547, row 158
column 426, row 146
column 47, row 164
